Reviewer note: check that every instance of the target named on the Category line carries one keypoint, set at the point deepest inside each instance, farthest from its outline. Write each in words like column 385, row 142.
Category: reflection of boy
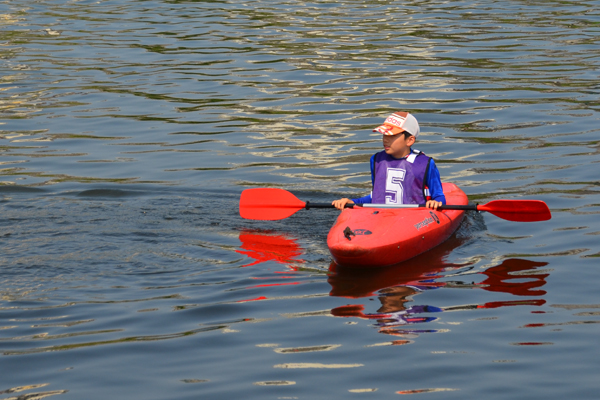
column 393, row 311
column 399, row 174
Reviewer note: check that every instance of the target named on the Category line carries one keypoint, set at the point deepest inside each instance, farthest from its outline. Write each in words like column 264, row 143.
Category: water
column 129, row 130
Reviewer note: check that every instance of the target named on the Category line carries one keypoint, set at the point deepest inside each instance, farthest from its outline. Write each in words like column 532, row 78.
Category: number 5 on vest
column 393, row 185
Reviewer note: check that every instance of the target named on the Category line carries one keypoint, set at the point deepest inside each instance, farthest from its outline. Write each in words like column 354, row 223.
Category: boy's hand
column 341, row 203
column 433, row 204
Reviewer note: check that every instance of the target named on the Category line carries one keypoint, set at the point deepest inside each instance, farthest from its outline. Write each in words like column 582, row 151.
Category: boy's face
column 398, row 146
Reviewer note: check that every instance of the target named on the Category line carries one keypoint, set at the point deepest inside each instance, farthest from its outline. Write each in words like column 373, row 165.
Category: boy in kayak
column 399, row 173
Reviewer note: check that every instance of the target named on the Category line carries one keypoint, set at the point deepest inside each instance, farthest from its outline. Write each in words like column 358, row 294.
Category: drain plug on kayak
column 348, row 232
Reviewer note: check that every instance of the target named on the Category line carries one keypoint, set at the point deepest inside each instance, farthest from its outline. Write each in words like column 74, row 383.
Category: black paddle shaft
column 310, row 205
column 467, row 207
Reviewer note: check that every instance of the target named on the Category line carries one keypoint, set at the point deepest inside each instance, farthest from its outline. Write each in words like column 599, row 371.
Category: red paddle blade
column 518, row 210
column 268, row 204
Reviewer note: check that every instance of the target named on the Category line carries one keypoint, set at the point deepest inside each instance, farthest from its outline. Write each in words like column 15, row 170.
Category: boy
column 399, row 174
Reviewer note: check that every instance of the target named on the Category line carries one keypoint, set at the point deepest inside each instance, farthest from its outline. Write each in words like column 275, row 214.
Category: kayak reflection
column 396, row 286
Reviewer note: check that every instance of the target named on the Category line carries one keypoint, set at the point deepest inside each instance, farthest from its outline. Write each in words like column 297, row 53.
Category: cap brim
column 386, row 130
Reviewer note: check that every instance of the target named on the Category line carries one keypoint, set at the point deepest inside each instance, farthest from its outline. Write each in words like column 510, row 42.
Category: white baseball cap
column 399, row 122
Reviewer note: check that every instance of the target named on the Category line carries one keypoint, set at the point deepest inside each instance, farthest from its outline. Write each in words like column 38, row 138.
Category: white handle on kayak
column 371, row 205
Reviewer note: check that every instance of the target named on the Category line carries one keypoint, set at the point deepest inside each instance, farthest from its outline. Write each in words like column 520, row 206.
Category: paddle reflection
column 396, row 286
column 265, row 246
column 503, row 278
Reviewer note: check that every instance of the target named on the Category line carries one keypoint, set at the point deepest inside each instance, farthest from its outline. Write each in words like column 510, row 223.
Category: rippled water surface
column 128, row 130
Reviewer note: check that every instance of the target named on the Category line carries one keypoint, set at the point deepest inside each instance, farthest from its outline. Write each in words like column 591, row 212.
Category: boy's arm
column 434, row 183
column 363, row 200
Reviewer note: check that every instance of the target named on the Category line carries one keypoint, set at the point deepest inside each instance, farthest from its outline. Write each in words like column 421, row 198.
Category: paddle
column 272, row 204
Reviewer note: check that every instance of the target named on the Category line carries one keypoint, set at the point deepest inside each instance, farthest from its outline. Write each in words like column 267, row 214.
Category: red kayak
column 377, row 237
